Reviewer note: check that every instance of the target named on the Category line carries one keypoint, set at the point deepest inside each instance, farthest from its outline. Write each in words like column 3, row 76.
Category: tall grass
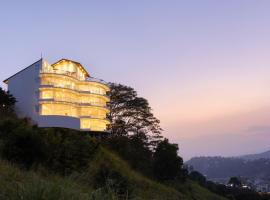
column 108, row 178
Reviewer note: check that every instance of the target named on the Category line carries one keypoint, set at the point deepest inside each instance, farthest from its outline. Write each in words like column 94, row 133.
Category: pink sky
column 204, row 66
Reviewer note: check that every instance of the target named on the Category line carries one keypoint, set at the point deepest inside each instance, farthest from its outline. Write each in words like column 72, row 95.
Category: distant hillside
column 223, row 168
column 265, row 154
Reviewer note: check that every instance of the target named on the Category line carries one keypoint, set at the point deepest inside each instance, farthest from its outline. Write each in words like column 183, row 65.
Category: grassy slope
column 17, row 184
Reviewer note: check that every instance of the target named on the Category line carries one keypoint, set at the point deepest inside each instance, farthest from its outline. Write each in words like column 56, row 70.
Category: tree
column 68, row 150
column 21, row 143
column 167, row 164
column 7, row 103
column 198, row 177
column 235, row 182
column 130, row 114
column 134, row 151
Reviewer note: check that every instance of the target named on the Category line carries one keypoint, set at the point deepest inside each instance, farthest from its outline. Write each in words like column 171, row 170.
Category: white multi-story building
column 60, row 95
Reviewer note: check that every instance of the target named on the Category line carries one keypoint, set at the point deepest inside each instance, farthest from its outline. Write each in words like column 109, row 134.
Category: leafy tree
column 198, row 177
column 167, row 164
column 235, row 182
column 134, row 151
column 68, row 150
column 59, row 150
column 130, row 114
column 7, row 103
column 21, row 144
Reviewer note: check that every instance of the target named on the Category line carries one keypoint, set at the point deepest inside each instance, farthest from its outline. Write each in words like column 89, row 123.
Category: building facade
column 60, row 95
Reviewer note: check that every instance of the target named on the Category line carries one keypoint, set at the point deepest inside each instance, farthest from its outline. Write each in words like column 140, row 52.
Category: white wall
column 59, row 121
column 24, row 86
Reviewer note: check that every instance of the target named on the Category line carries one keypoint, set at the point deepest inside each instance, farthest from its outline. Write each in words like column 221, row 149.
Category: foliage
column 16, row 184
column 136, row 135
column 233, row 193
column 198, row 177
column 99, row 173
column 91, row 171
column 7, row 103
column 134, row 151
column 167, row 164
column 68, row 150
column 60, row 150
column 130, row 114
column 21, row 143
column 235, row 182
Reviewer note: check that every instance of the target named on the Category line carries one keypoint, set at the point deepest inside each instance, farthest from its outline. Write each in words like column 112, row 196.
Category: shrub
column 21, row 144
column 59, row 150
column 69, row 150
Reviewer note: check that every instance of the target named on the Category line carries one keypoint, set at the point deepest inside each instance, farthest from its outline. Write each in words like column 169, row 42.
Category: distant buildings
column 60, row 95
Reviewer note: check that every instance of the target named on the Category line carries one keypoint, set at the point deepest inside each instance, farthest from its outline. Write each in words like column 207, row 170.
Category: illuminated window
column 93, row 124
column 65, row 92
column 59, row 109
column 46, row 94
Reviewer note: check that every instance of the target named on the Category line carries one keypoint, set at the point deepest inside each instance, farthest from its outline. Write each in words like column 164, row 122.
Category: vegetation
column 234, row 190
column 132, row 115
column 136, row 136
column 167, row 165
column 7, row 102
column 58, row 163
column 235, row 182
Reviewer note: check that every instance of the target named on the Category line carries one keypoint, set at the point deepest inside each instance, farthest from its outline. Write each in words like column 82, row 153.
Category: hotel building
column 60, row 95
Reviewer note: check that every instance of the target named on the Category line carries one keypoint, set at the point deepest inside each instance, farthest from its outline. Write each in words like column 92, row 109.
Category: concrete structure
column 60, row 95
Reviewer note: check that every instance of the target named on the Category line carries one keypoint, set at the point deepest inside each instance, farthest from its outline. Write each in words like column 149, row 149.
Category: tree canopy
column 235, row 182
column 167, row 164
column 130, row 114
column 7, row 103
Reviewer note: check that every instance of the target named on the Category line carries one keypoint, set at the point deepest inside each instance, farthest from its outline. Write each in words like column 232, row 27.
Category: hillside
column 265, row 155
column 61, row 163
column 19, row 184
column 215, row 168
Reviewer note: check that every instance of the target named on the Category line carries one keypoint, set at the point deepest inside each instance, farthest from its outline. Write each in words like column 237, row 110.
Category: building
column 60, row 95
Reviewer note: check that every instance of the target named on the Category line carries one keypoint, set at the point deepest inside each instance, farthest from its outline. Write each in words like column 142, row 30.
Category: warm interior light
column 65, row 93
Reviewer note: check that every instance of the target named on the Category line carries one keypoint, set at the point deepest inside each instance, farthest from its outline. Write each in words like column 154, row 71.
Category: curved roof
column 76, row 63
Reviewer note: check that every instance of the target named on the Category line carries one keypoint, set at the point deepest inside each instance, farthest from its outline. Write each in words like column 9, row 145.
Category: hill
column 18, row 184
column 222, row 168
column 58, row 163
column 265, row 155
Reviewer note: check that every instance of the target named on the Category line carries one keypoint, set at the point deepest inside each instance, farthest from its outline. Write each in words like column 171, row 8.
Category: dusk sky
column 204, row 65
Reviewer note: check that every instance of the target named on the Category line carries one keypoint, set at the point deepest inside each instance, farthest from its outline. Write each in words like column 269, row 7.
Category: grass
column 108, row 178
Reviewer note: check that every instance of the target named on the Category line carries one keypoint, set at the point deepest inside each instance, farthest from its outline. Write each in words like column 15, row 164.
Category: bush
column 68, row 150
column 21, row 143
column 134, row 151
column 198, row 177
column 59, row 150
column 167, row 164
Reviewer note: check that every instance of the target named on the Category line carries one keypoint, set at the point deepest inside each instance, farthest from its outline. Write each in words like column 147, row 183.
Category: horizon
column 203, row 66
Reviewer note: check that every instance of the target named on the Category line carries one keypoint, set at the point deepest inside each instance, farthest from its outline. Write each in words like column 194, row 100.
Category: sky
column 204, row 66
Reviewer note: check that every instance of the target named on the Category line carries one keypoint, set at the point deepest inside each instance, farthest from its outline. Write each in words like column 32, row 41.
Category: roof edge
column 6, row 80
column 87, row 74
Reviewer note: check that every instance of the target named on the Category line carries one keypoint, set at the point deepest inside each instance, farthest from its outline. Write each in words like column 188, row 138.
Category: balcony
column 73, row 88
column 61, row 72
column 73, row 75
column 72, row 101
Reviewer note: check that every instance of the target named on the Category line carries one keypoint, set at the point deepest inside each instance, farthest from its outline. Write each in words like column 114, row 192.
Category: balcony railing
column 73, row 101
column 52, row 85
column 92, row 79
column 74, row 75
column 62, row 72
